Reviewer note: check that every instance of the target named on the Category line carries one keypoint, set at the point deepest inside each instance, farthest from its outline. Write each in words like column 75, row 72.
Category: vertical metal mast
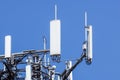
column 55, row 12
column 86, row 26
column 44, row 41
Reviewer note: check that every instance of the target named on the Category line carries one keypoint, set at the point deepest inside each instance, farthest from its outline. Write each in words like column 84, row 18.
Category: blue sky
column 27, row 21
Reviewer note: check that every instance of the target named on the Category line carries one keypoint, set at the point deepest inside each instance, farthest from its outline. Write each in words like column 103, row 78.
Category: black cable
column 65, row 74
column 11, row 74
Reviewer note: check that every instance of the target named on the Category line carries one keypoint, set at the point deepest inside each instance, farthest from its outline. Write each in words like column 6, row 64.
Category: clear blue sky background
column 28, row 20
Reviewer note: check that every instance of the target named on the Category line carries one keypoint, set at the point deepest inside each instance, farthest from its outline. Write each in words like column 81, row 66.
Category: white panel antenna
column 7, row 46
column 28, row 69
column 55, row 36
column 28, row 72
column 89, row 44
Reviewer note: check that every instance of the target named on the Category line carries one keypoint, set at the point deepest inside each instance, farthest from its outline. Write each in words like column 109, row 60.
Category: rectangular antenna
column 89, row 51
column 55, row 37
column 28, row 72
column 7, row 46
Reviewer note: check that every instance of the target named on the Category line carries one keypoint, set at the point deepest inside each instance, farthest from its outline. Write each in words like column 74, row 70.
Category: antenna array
column 37, row 62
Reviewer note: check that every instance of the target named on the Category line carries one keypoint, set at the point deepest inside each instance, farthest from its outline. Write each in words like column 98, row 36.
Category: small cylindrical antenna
column 55, row 12
column 44, row 41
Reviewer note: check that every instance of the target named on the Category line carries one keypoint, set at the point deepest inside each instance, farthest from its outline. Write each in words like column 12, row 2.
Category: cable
column 65, row 74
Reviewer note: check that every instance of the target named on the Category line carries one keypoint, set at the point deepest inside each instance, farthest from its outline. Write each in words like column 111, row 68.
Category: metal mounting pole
column 44, row 40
